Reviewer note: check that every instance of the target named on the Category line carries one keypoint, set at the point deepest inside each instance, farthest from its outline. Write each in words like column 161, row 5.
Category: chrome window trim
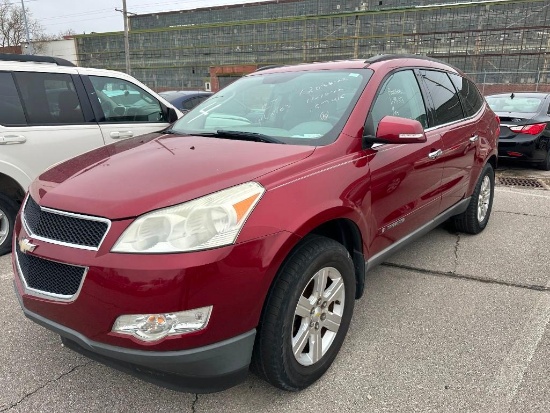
column 43, row 294
column 69, row 214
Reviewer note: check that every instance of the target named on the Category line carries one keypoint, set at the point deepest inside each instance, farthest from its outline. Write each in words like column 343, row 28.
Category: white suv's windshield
column 301, row 108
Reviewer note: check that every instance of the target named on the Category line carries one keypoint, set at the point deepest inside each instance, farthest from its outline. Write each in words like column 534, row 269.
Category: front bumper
column 201, row 370
column 234, row 280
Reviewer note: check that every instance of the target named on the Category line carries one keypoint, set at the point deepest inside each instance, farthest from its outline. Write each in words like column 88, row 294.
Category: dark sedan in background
column 185, row 100
column 524, row 126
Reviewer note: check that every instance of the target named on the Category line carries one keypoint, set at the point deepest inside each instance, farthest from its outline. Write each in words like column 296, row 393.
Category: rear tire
column 545, row 165
column 8, row 212
column 475, row 218
column 306, row 315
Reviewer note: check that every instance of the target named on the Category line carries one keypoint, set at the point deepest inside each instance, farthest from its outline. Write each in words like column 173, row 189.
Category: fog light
column 154, row 327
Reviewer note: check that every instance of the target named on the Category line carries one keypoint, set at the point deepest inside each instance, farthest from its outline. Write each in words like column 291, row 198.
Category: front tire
column 306, row 315
column 475, row 218
column 8, row 212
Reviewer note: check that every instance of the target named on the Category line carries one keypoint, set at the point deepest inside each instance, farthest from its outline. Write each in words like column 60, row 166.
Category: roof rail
column 9, row 57
column 267, row 67
column 384, row 57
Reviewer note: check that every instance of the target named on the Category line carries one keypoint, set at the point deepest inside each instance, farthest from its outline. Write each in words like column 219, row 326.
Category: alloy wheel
column 318, row 316
column 4, row 227
column 484, row 199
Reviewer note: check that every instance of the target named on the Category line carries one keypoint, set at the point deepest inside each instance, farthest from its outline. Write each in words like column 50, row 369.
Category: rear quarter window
column 470, row 97
column 447, row 107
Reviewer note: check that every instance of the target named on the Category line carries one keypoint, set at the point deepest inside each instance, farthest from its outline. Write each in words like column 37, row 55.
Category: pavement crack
column 457, row 244
column 532, row 287
column 524, row 214
column 47, row 383
column 194, row 405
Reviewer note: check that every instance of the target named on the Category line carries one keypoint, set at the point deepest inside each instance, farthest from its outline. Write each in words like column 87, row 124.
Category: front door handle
column 435, row 154
column 474, row 138
column 12, row 139
column 122, row 134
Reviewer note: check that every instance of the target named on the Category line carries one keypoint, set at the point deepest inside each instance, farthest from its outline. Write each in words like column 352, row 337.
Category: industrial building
column 188, row 49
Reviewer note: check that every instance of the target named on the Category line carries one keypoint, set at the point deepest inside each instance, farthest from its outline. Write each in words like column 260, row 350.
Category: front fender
column 14, row 173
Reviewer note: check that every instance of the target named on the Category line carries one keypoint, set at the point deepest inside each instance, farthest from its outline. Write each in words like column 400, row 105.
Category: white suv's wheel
column 8, row 211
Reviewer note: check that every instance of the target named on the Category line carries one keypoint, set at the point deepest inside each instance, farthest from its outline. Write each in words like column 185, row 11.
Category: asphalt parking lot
column 453, row 323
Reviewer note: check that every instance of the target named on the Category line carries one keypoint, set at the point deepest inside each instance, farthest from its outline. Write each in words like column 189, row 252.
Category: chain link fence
column 504, row 82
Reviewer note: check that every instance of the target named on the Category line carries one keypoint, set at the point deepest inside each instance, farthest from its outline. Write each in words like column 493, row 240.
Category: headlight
column 208, row 222
column 154, row 327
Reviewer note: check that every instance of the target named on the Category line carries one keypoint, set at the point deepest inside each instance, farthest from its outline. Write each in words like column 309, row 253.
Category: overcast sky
column 99, row 15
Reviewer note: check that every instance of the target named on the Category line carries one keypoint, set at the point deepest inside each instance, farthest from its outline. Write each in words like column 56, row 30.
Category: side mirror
column 172, row 115
column 393, row 129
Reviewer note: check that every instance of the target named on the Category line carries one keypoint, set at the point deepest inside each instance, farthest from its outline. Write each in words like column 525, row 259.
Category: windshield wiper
column 245, row 136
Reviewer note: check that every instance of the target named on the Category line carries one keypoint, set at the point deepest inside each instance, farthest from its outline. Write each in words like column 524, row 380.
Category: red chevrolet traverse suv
column 240, row 236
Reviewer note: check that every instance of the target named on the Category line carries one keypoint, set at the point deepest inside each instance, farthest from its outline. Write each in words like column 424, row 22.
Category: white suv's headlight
column 212, row 221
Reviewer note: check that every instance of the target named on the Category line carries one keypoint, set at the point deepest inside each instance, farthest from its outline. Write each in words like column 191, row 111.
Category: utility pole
column 126, row 40
column 29, row 44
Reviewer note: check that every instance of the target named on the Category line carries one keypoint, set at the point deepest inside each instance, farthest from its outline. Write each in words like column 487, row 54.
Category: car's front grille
column 50, row 277
column 64, row 227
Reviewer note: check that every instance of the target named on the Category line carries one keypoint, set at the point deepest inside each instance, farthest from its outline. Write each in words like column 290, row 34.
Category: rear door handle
column 122, row 134
column 12, row 139
column 435, row 154
column 474, row 138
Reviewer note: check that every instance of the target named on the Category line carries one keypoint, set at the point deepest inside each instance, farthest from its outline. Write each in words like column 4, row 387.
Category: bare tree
column 12, row 25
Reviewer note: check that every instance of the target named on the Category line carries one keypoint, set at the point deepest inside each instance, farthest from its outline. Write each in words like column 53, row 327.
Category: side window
column 11, row 110
column 49, row 98
column 399, row 96
column 445, row 99
column 469, row 95
column 122, row 101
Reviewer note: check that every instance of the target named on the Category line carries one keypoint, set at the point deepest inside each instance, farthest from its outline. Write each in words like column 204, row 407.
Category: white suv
column 51, row 110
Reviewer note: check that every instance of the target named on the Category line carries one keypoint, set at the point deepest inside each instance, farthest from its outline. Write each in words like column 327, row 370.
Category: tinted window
column 399, row 96
column 469, row 95
column 123, row 101
column 444, row 97
column 190, row 103
column 49, row 98
column 11, row 110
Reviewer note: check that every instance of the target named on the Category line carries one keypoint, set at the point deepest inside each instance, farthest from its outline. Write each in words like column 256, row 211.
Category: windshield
column 300, row 108
column 514, row 103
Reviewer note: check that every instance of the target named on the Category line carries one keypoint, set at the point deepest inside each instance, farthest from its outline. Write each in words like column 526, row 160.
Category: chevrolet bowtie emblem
column 26, row 246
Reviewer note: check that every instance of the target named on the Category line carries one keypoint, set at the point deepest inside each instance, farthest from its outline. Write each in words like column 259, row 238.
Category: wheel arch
column 347, row 233
column 342, row 230
column 11, row 188
column 493, row 160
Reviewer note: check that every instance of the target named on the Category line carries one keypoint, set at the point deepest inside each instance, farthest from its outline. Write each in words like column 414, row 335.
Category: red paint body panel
column 127, row 179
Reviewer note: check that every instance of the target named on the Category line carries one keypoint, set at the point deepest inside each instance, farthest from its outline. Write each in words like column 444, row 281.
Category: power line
column 72, row 18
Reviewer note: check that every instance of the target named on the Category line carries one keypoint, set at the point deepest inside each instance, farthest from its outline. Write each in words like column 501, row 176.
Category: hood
column 138, row 175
